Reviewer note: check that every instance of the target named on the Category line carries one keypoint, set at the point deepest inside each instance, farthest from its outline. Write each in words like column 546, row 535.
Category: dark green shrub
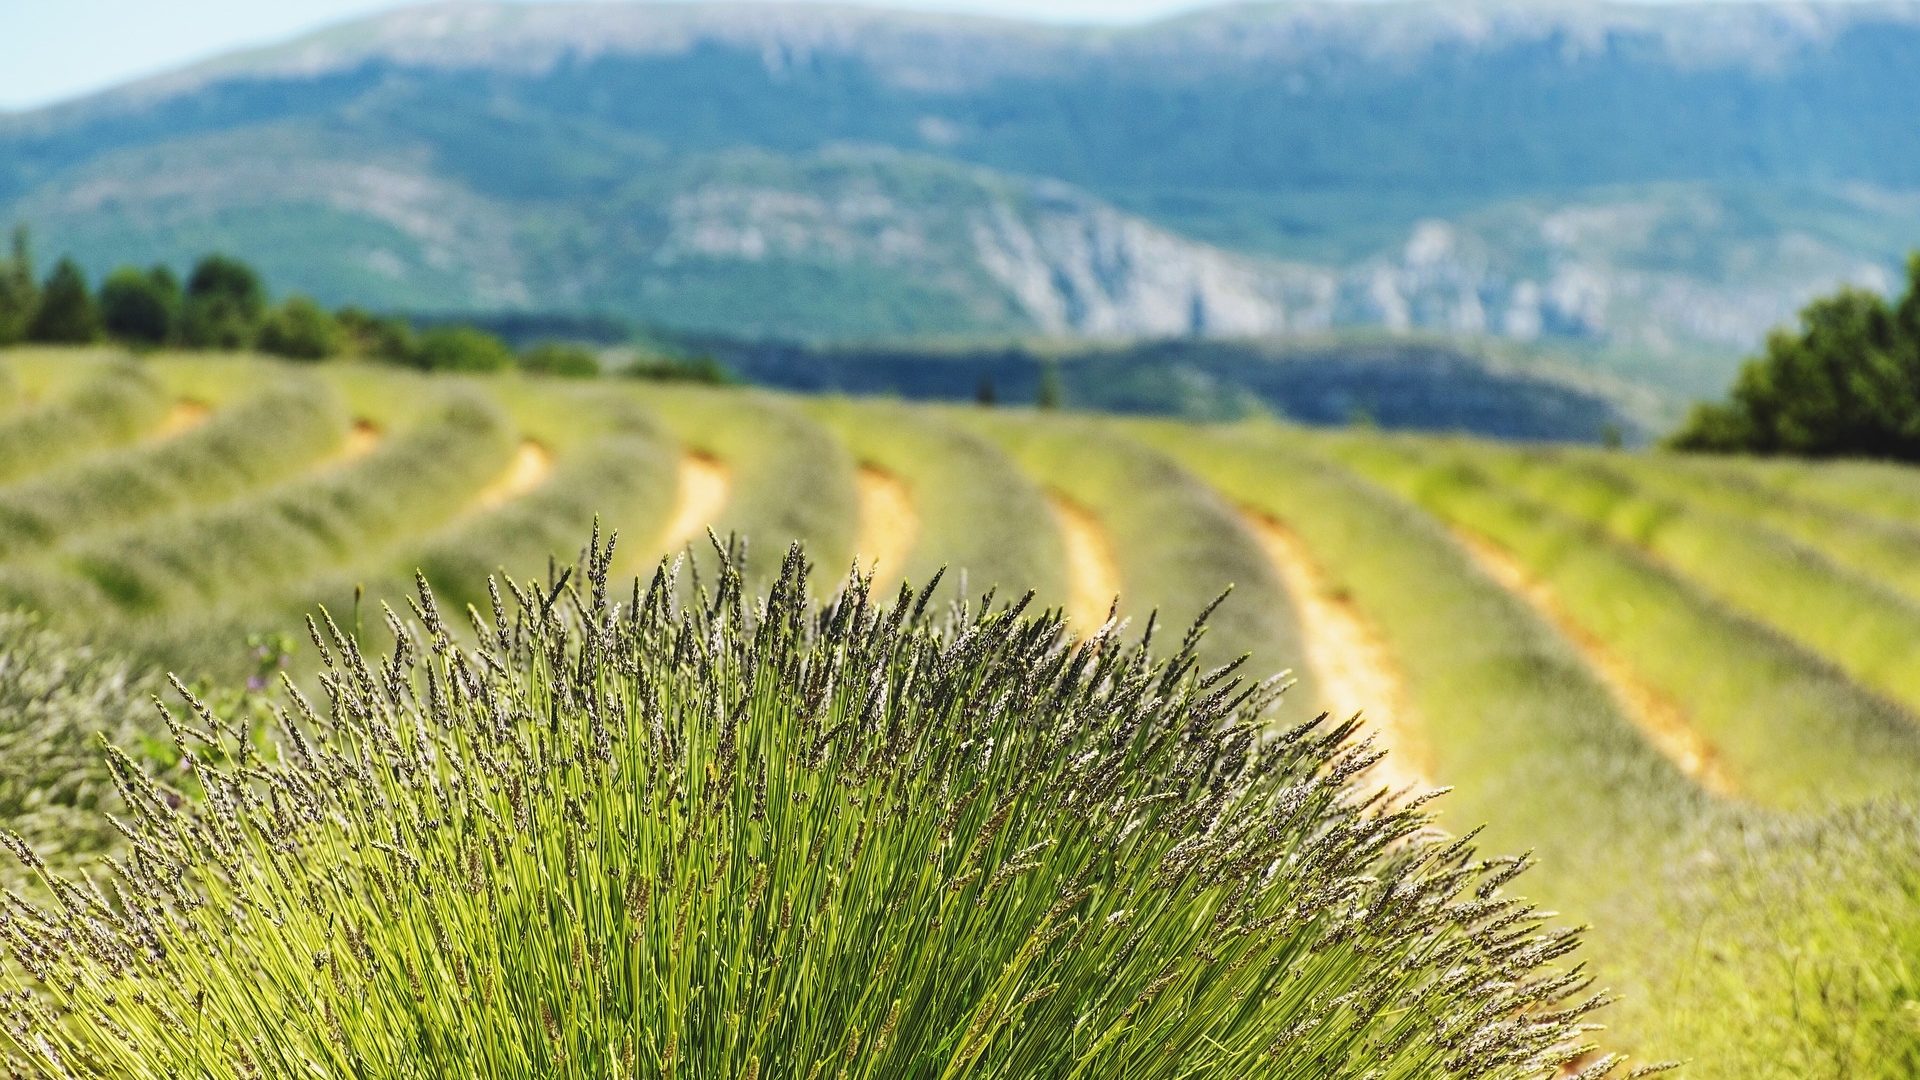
column 1846, row 384
column 225, row 302
column 559, row 358
column 376, row 337
column 19, row 293
column 747, row 839
column 66, row 314
column 461, row 348
column 301, row 330
column 141, row 307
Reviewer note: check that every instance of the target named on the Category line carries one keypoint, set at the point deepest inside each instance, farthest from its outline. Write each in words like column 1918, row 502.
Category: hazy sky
column 53, row 49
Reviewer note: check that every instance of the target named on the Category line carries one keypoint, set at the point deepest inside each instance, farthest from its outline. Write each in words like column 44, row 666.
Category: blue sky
column 54, row 49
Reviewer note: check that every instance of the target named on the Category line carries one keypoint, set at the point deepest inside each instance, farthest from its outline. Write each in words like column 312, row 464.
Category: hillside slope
column 1662, row 178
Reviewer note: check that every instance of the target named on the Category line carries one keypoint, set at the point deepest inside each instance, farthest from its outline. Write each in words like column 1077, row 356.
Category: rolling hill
column 1660, row 182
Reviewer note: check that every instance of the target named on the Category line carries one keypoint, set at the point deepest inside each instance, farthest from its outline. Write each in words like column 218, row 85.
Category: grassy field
column 1684, row 686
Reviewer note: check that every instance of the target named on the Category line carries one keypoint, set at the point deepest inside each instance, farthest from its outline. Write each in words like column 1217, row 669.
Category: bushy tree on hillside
column 141, row 307
column 66, row 314
column 1847, row 383
column 19, row 292
column 461, row 348
column 224, row 305
column 302, row 330
column 376, row 337
column 756, row 838
column 559, row 358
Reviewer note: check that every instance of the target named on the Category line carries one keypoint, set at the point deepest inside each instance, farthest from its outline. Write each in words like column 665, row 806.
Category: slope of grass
column 1863, row 627
column 1510, row 714
column 114, row 404
column 1872, row 541
column 262, row 439
column 240, row 549
column 1789, row 729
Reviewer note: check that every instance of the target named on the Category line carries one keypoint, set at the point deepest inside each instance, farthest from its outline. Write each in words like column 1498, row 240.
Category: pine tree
column 19, row 295
column 66, row 314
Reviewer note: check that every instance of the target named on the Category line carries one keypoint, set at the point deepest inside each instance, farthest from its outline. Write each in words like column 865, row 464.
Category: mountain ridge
column 1573, row 173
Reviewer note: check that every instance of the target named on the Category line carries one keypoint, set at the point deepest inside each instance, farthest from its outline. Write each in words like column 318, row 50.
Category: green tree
column 560, row 358
column 1847, row 383
column 376, row 337
column 141, row 306
column 1052, row 393
column 461, row 348
column 225, row 303
column 302, row 330
column 19, row 293
column 66, row 314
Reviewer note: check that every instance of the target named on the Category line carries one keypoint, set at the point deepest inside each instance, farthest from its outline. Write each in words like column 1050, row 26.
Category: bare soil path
column 532, row 464
column 704, row 484
column 185, row 415
column 362, row 439
column 1354, row 667
column 1093, row 571
column 1660, row 718
column 889, row 524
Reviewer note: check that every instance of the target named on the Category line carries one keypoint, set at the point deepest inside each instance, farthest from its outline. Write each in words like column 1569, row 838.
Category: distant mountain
column 1660, row 179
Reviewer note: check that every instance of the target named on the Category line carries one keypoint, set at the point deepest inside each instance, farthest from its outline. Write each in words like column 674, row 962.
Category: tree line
column 224, row 305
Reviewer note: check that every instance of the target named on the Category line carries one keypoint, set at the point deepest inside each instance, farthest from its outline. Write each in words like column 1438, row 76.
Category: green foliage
column 141, row 307
column 225, row 303
column 66, row 314
column 1052, row 393
column 560, row 358
column 19, row 292
column 626, row 841
column 462, row 349
column 1847, row 384
column 704, row 368
column 376, row 337
column 1804, row 948
column 301, row 330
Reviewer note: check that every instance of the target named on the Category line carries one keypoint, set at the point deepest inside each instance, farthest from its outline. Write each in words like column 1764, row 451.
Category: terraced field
column 1687, row 686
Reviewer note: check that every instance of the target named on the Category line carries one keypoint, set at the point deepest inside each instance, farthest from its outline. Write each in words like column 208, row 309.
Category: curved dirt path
column 889, row 524
column 184, row 415
column 1659, row 717
column 1093, row 571
column 531, row 465
column 704, row 485
column 362, row 439
column 1355, row 669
